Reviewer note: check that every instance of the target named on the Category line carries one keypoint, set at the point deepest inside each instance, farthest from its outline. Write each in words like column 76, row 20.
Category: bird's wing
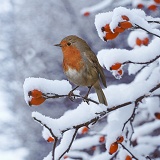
column 92, row 59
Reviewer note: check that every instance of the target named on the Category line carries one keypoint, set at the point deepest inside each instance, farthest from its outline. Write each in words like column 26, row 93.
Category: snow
column 84, row 156
column 64, row 144
column 71, row 118
column 143, row 54
column 153, row 104
column 46, row 134
column 102, row 21
column 102, row 156
column 153, row 140
column 136, row 17
column 88, row 141
column 46, row 86
column 145, row 129
column 147, row 149
column 134, row 35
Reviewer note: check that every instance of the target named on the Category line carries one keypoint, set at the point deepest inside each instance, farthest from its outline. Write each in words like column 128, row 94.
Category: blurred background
column 28, row 30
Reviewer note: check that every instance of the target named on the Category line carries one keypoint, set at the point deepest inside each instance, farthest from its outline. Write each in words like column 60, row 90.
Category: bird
column 81, row 66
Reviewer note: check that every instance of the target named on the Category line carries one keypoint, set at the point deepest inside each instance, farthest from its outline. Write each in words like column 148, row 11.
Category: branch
column 130, row 118
column 151, row 61
column 128, row 151
column 39, row 121
column 92, row 121
column 148, row 157
column 139, row 27
column 158, row 22
column 54, row 147
column 50, row 130
column 104, row 113
column 52, row 95
column 67, row 150
column 139, row 99
column 99, row 116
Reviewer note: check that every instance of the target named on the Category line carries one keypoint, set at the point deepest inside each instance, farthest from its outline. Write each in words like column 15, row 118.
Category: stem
column 137, row 26
column 67, row 150
column 54, row 147
column 128, row 151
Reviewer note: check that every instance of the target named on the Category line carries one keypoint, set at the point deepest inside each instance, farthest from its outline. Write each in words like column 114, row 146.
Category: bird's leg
column 86, row 96
column 70, row 94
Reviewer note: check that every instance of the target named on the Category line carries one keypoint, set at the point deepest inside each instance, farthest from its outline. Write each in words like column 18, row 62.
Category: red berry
column 124, row 17
column 50, row 139
column 86, row 14
column 125, row 25
column 106, row 28
column 120, row 71
column 35, row 93
column 120, row 139
column 116, row 66
column 36, row 101
column 140, row 6
column 152, row 7
column 113, row 148
column 157, row 115
column 138, row 42
column 145, row 41
column 157, row 1
column 65, row 157
column 128, row 157
column 84, row 130
column 102, row 139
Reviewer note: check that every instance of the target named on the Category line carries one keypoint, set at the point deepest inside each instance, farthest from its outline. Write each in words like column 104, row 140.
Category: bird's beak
column 59, row 45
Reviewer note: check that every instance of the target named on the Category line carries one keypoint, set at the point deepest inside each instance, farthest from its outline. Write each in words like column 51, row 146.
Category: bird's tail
column 100, row 94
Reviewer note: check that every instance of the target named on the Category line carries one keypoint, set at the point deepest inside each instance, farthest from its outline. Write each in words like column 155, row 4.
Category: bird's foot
column 71, row 96
column 85, row 99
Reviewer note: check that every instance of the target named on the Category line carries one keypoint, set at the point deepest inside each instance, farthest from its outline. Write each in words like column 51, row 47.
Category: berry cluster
column 122, row 26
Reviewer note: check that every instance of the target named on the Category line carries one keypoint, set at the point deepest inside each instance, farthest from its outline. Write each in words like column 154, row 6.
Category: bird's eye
column 69, row 43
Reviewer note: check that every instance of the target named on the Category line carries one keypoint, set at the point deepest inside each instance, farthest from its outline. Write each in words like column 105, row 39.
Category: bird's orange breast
column 72, row 58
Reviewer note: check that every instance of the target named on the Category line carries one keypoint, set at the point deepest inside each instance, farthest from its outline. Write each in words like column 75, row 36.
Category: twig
column 128, row 151
column 67, row 150
column 50, row 130
column 54, row 147
column 139, row 27
column 148, row 157
column 52, row 95
column 158, row 22
column 92, row 121
column 139, row 99
column 130, row 118
column 142, row 62
column 131, row 124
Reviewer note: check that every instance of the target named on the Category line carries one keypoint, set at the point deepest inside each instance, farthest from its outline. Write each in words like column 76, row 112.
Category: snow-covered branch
column 110, row 24
column 55, row 126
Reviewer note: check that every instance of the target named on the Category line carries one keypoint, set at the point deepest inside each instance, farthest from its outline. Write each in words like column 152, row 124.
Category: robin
column 81, row 66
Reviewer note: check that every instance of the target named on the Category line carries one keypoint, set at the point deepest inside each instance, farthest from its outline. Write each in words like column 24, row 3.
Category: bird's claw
column 71, row 96
column 85, row 99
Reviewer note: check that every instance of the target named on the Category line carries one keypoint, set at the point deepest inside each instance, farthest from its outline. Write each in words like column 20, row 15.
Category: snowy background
column 28, row 31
